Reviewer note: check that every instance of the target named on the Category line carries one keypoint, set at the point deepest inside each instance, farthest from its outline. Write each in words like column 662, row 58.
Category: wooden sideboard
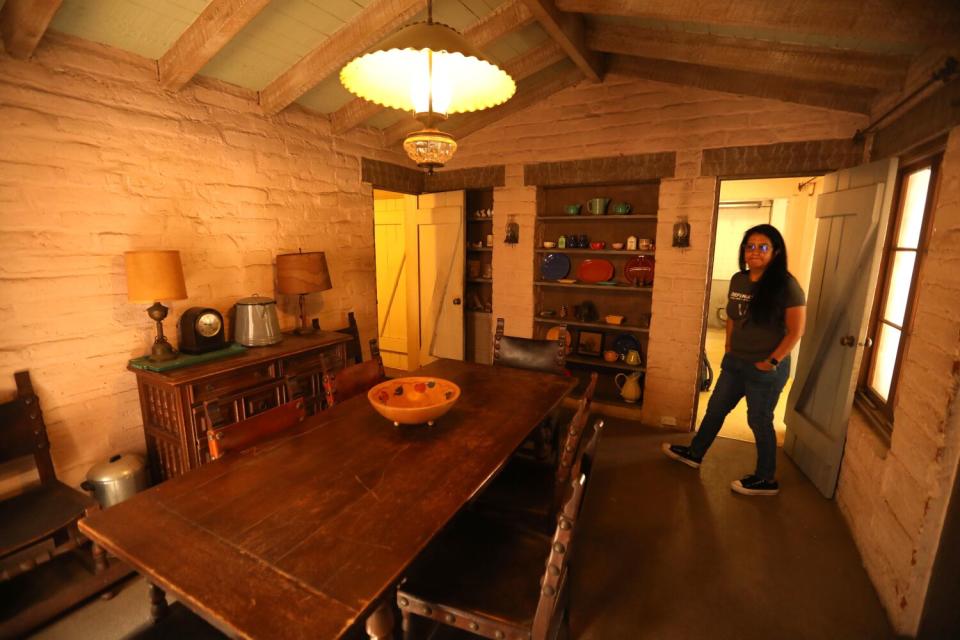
column 172, row 403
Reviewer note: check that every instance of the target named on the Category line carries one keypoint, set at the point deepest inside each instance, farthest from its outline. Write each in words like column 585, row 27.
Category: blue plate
column 554, row 266
column 624, row 342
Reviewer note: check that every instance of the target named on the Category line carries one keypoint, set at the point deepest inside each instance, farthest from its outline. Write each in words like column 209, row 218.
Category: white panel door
column 440, row 243
column 852, row 215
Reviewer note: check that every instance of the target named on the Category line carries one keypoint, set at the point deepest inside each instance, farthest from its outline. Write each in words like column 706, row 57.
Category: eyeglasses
column 762, row 248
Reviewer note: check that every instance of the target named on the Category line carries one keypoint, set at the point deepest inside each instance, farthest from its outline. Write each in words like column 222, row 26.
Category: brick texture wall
column 895, row 498
column 623, row 116
column 96, row 159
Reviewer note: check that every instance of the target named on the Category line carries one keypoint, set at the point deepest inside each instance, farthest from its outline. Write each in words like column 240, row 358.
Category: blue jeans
column 739, row 378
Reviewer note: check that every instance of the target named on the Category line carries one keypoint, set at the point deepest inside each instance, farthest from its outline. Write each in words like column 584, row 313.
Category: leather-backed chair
column 354, row 350
column 549, row 356
column 531, row 493
column 525, row 353
column 40, row 545
column 246, row 433
column 487, row 576
column 355, row 379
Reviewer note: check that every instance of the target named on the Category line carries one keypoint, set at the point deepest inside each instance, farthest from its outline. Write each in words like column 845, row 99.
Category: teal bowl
column 572, row 209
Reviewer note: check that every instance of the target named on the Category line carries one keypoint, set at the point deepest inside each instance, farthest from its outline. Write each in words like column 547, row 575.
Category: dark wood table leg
column 158, row 602
column 380, row 622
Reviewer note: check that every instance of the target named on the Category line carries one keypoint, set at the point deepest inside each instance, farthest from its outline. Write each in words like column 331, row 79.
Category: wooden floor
column 667, row 552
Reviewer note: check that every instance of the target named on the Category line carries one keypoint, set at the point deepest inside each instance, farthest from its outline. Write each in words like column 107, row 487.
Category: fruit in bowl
column 617, row 245
column 413, row 400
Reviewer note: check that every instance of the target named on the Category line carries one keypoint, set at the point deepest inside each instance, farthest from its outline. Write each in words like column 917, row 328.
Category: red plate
column 639, row 268
column 595, row 271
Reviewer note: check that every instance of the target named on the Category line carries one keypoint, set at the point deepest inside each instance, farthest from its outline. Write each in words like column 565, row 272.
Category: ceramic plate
column 595, row 270
column 638, row 268
column 624, row 342
column 554, row 266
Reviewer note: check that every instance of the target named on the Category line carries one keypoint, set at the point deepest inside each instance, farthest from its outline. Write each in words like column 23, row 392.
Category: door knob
column 867, row 342
column 456, row 301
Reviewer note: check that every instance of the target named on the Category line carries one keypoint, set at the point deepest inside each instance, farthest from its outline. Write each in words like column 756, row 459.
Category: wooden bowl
column 413, row 400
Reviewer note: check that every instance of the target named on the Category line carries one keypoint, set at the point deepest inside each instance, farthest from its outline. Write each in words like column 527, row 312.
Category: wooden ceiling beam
column 379, row 19
column 520, row 67
column 219, row 22
column 817, row 94
column 509, row 17
column 527, row 97
column 921, row 22
column 810, row 63
column 567, row 29
column 23, row 23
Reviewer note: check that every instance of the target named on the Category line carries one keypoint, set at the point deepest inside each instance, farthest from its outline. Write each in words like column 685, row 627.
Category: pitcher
column 629, row 387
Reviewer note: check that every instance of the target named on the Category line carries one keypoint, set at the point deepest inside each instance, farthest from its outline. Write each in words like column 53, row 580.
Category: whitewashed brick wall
column 96, row 159
column 895, row 498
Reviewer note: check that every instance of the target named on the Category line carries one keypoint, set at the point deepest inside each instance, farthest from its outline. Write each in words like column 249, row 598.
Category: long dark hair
column 769, row 294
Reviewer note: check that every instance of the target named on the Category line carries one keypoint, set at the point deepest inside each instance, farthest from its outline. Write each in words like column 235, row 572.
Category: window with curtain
column 893, row 307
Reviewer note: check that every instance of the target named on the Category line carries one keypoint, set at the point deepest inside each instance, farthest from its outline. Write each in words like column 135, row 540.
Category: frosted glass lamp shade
column 154, row 275
column 302, row 273
column 423, row 60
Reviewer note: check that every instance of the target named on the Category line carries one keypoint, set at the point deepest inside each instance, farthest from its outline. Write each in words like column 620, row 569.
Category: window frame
column 878, row 410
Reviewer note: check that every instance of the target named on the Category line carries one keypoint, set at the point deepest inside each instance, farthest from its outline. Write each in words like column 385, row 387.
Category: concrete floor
column 669, row 552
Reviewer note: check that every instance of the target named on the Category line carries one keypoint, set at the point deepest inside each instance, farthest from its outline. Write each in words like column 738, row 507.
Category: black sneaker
column 681, row 454
column 753, row 486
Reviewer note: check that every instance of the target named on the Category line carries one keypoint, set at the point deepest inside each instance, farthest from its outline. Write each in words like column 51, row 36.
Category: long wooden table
column 306, row 535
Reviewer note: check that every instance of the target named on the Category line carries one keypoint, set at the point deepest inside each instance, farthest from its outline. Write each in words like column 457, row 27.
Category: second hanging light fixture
column 430, row 70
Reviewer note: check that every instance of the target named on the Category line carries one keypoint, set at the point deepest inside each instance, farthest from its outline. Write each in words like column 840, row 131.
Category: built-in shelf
column 480, row 249
column 480, row 219
column 600, row 362
column 620, row 287
column 597, row 252
column 594, row 325
column 593, row 218
column 480, row 280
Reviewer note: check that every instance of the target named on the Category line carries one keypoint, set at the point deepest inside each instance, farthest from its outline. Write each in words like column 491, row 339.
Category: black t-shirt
column 751, row 340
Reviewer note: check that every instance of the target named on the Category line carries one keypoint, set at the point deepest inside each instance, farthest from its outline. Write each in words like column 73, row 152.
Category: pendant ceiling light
column 430, row 70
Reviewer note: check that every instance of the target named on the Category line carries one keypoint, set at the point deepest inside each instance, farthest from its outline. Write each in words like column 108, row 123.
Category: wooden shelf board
column 593, row 325
column 603, row 364
column 480, row 280
column 593, row 218
column 593, row 252
column 481, row 249
column 618, row 287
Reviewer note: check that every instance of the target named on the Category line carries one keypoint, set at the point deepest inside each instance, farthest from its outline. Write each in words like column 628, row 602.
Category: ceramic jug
column 632, row 357
column 629, row 387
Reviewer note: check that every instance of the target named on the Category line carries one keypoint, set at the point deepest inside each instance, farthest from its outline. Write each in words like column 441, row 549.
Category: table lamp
column 302, row 273
column 154, row 276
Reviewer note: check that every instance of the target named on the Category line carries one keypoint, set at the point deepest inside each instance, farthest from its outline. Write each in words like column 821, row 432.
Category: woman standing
column 766, row 314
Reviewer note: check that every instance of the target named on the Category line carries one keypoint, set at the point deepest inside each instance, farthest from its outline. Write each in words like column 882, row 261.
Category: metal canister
column 117, row 479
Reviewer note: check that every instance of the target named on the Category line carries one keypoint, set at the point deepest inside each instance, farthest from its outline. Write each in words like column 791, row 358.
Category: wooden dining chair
column 355, row 379
column 354, row 347
column 246, row 433
column 487, row 576
column 531, row 493
column 39, row 526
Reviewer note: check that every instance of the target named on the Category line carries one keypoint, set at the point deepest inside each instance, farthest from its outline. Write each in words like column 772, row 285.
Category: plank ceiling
column 835, row 54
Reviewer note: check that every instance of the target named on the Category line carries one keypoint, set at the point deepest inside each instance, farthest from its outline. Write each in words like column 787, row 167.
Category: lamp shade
column 302, row 272
column 154, row 276
column 423, row 61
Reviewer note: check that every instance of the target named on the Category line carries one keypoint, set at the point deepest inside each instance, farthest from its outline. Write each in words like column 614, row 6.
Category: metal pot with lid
column 256, row 321
column 117, row 479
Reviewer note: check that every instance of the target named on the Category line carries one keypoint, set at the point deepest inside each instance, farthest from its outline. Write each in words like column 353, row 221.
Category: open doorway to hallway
column 789, row 204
